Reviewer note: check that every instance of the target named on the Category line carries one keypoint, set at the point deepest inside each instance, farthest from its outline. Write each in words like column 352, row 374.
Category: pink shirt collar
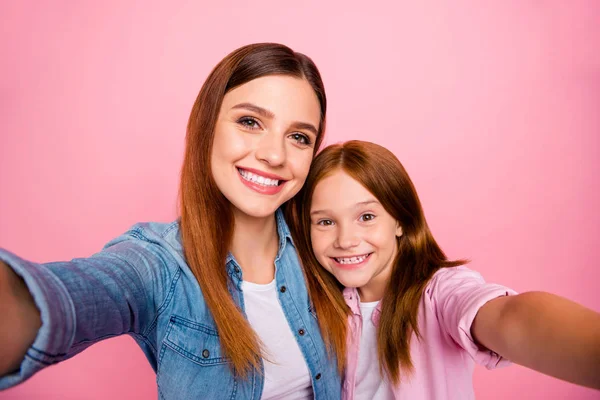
column 353, row 301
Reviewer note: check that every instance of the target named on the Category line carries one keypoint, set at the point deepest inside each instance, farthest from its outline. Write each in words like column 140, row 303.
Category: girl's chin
column 352, row 282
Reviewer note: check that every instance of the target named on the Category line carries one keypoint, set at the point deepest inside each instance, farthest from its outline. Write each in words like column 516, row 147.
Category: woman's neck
column 254, row 245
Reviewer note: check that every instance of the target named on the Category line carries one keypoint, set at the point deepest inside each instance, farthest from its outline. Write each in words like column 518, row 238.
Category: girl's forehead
column 340, row 192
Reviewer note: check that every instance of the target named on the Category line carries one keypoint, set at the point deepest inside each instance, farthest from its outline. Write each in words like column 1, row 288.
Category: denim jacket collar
column 233, row 269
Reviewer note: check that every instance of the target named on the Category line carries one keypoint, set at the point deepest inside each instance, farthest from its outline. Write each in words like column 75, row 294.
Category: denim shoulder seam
column 140, row 233
column 164, row 304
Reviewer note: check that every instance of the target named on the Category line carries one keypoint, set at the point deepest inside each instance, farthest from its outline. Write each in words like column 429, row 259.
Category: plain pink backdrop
column 493, row 107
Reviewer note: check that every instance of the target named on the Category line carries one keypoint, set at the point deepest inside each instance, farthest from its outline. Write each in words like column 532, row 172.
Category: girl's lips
column 351, row 266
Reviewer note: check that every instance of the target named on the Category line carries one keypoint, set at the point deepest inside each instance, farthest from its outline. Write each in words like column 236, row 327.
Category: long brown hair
column 206, row 215
column 418, row 257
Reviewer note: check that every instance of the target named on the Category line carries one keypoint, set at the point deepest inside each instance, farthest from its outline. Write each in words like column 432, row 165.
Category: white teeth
column 261, row 180
column 351, row 260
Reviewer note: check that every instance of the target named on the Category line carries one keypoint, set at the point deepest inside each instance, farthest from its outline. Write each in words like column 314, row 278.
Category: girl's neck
column 369, row 294
column 375, row 288
column 254, row 245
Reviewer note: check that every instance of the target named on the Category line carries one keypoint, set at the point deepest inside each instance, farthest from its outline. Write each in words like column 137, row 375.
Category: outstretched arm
column 19, row 320
column 544, row 332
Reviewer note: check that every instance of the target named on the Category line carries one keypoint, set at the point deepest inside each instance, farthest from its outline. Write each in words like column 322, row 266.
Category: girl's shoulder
column 454, row 275
column 462, row 285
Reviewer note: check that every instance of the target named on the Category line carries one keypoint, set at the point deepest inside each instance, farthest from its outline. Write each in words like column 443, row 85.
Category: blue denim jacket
column 140, row 285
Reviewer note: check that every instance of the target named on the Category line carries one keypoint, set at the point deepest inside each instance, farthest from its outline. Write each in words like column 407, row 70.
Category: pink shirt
column 445, row 357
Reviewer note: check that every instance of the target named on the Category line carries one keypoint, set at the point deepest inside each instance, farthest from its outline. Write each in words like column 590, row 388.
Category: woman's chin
column 255, row 211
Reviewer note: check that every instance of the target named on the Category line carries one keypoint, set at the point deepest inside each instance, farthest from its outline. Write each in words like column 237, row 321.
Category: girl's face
column 353, row 237
column 264, row 142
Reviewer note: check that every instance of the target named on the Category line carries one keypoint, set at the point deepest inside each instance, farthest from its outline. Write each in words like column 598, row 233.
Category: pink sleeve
column 457, row 294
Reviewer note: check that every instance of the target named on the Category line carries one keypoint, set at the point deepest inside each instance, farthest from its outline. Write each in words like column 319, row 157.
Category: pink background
column 492, row 108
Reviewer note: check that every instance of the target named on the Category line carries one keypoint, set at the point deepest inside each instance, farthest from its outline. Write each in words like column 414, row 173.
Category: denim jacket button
column 301, row 332
column 318, row 376
column 205, row 353
column 236, row 269
column 282, row 289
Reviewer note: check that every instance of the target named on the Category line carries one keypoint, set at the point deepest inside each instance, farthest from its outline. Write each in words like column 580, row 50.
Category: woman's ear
column 398, row 230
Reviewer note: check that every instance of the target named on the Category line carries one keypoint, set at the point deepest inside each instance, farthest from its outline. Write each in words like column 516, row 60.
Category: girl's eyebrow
column 357, row 205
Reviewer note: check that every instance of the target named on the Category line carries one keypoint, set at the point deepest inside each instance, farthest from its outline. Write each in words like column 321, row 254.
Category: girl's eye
column 301, row 139
column 367, row 217
column 249, row 122
column 325, row 222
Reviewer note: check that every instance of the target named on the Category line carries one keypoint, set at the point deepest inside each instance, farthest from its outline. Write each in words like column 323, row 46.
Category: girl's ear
column 398, row 230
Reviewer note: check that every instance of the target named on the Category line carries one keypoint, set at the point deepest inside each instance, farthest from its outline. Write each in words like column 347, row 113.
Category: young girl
column 393, row 306
column 216, row 300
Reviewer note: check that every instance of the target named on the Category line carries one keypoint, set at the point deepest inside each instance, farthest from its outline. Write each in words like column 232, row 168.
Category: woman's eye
column 249, row 122
column 367, row 217
column 301, row 139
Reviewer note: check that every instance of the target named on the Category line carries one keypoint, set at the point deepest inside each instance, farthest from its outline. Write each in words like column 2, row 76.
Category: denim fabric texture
column 140, row 285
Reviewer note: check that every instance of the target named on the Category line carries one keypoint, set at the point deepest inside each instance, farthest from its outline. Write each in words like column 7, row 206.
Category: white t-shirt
column 369, row 383
column 286, row 372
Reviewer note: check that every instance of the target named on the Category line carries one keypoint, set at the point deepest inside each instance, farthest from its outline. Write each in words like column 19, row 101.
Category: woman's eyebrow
column 305, row 126
column 263, row 112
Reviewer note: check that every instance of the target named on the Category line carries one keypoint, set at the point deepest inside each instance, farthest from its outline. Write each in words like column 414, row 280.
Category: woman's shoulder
column 149, row 247
column 152, row 234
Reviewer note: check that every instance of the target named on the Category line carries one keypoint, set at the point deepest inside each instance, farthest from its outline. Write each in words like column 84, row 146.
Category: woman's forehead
column 284, row 97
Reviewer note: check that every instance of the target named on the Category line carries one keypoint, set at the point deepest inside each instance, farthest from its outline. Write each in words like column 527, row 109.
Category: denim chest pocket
column 191, row 363
column 197, row 342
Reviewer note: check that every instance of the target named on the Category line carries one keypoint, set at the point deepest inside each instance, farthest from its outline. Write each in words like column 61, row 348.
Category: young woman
column 406, row 322
column 216, row 300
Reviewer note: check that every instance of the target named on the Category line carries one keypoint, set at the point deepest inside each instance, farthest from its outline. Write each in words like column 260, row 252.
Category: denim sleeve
column 119, row 290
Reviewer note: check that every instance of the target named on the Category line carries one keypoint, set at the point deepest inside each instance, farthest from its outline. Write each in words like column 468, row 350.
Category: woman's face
column 264, row 143
column 353, row 237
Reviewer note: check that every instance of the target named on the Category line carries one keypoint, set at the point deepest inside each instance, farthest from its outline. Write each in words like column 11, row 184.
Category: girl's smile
column 352, row 235
column 352, row 262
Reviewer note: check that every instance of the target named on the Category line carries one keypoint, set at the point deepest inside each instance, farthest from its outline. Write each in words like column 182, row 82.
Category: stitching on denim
column 176, row 320
column 47, row 354
column 47, row 363
column 169, row 228
column 160, row 357
column 195, row 359
column 310, row 345
column 162, row 348
column 194, row 325
column 235, row 382
column 95, row 340
column 165, row 302
column 145, row 340
column 137, row 234
column 161, row 394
